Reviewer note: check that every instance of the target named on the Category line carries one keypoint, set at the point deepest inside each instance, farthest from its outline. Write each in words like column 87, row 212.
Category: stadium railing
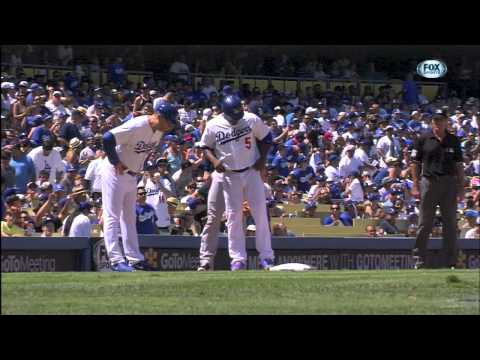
column 100, row 77
column 430, row 89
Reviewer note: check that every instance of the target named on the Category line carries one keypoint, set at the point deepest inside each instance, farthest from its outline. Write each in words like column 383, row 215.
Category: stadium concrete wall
column 180, row 253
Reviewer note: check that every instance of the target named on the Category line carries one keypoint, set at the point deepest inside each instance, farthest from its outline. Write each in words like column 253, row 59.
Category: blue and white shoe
column 143, row 266
column 237, row 265
column 122, row 267
column 266, row 264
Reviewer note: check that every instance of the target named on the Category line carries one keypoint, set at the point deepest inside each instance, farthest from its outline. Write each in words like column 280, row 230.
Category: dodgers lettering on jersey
column 236, row 145
column 135, row 140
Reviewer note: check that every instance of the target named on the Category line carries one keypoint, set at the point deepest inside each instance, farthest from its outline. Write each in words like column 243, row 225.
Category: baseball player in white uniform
column 215, row 210
column 127, row 147
column 230, row 141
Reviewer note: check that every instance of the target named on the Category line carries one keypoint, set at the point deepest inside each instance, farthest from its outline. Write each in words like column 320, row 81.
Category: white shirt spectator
column 347, row 166
column 208, row 90
column 56, row 109
column 93, row 174
column 331, row 173
column 53, row 162
column 280, row 119
column 472, row 234
column 158, row 200
column 385, row 144
column 186, row 117
column 81, row 227
column 356, row 191
column 179, row 67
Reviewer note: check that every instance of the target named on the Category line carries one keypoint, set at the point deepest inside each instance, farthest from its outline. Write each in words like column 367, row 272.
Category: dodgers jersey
column 135, row 140
column 235, row 145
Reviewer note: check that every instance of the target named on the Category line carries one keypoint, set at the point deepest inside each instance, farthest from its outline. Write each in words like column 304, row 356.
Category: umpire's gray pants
column 216, row 208
column 440, row 191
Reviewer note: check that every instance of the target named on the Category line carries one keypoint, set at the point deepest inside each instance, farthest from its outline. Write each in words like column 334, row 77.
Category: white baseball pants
column 237, row 187
column 119, row 195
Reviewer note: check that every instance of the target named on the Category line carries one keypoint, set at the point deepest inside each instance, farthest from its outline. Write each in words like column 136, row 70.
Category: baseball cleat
column 266, row 264
column 205, row 267
column 143, row 266
column 122, row 267
column 418, row 262
column 237, row 265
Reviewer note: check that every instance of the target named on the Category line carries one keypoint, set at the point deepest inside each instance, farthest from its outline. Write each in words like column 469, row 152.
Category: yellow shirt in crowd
column 13, row 230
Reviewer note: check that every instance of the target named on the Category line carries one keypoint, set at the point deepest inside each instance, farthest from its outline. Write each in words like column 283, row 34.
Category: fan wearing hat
column 46, row 158
column 159, row 186
column 81, row 225
column 438, row 178
column 54, row 104
column 70, row 130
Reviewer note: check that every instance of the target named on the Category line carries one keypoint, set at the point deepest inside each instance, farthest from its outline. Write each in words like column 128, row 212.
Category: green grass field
column 246, row 292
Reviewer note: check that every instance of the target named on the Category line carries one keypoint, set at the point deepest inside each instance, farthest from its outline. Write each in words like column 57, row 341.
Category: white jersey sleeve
column 260, row 130
column 208, row 138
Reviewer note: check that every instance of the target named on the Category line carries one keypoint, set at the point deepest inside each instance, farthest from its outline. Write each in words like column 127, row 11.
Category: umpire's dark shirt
column 437, row 158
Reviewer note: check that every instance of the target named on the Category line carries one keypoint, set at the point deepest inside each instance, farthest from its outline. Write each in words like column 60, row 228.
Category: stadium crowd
column 346, row 148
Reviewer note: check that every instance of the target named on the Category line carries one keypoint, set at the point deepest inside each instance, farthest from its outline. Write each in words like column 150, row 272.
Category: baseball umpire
column 439, row 155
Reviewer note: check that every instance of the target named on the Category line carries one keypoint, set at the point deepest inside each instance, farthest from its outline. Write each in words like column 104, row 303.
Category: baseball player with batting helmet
column 127, row 147
column 230, row 141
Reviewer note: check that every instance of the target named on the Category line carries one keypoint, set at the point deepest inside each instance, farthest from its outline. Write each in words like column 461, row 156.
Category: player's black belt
column 241, row 170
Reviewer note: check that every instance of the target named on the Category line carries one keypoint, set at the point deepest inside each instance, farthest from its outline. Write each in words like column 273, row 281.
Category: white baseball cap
column 8, row 85
column 310, row 110
column 189, row 127
column 349, row 147
column 277, row 108
column 252, row 227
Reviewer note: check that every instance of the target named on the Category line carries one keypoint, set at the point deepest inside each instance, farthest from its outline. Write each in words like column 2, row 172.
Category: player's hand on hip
column 219, row 166
column 120, row 168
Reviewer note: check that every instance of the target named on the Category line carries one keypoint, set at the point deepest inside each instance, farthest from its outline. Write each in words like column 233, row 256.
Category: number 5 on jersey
column 248, row 142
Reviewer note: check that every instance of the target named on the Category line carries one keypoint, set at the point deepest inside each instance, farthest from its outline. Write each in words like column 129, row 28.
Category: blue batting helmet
column 167, row 110
column 232, row 108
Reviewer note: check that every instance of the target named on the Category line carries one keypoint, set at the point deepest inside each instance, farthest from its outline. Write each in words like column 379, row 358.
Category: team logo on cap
column 432, row 69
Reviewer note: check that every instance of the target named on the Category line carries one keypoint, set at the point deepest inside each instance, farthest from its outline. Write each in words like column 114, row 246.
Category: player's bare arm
column 263, row 147
column 217, row 164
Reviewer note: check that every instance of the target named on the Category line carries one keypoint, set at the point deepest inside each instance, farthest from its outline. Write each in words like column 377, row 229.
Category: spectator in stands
column 7, row 170
column 354, row 188
column 179, row 69
column 9, row 228
column 116, row 72
column 371, row 231
column 349, row 164
column 474, row 233
column 334, row 218
column 470, row 217
column 81, row 225
column 19, row 111
column 387, row 223
column 23, row 168
column 250, row 230
column 70, row 129
column 54, row 103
